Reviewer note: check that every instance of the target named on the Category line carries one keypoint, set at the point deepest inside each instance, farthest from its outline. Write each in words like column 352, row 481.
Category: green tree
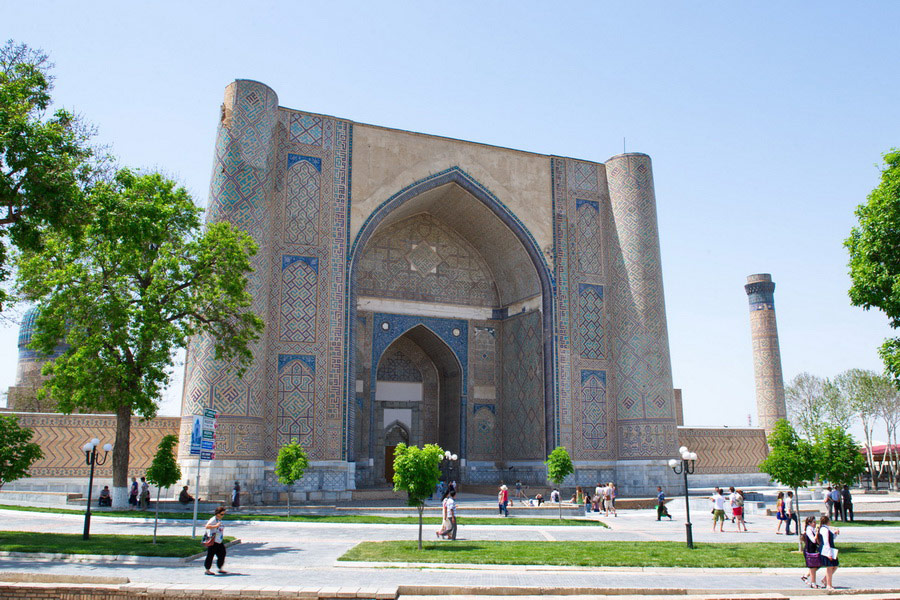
column 45, row 159
column 867, row 393
column 416, row 472
column 791, row 462
column 874, row 247
column 290, row 464
column 17, row 451
column 837, row 456
column 164, row 471
column 128, row 292
column 559, row 466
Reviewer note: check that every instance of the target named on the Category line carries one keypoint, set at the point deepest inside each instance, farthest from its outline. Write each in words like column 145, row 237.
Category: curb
column 119, row 559
column 437, row 590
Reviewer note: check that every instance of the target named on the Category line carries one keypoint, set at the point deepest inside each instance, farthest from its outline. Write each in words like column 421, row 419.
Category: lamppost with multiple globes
column 685, row 466
column 447, row 465
column 91, row 458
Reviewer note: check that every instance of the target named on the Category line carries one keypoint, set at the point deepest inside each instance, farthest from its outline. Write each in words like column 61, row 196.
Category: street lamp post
column 684, row 467
column 91, row 458
column 447, row 465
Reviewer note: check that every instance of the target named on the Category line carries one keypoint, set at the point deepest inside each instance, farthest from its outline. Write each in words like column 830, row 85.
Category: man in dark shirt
column 661, row 510
column 184, row 497
column 846, row 503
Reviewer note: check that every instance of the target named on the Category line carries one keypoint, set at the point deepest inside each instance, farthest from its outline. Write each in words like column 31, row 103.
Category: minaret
column 766, row 354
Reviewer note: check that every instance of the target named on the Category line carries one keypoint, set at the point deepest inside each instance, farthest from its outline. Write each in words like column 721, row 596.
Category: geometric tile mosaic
column 523, row 407
column 593, row 410
column 590, row 324
column 299, row 298
column 296, row 397
column 301, row 224
column 589, row 248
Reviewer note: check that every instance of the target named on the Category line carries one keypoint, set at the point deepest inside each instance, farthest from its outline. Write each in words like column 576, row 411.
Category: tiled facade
column 533, row 333
column 770, row 404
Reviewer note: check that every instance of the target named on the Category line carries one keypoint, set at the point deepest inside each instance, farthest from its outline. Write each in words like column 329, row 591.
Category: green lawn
column 865, row 523
column 71, row 543
column 514, row 520
column 616, row 554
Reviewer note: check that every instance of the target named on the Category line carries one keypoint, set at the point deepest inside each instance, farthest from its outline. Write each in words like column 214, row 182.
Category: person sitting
column 554, row 496
column 105, row 499
column 540, row 499
column 184, row 497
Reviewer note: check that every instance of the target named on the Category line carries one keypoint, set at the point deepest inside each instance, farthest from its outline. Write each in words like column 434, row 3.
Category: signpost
column 203, row 444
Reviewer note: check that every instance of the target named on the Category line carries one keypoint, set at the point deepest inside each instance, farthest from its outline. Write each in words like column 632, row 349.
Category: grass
column 616, row 554
column 356, row 519
column 177, row 546
column 865, row 523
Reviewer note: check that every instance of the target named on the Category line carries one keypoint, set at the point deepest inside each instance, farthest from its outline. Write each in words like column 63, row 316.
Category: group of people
column 734, row 502
column 839, row 503
column 139, row 497
column 819, row 551
column 448, row 515
column 603, row 498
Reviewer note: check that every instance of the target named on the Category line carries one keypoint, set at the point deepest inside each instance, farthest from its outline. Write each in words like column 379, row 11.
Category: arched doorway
column 444, row 265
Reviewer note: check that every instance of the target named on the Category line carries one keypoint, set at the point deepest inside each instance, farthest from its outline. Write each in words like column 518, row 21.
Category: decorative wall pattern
column 590, row 252
column 301, row 223
column 420, row 259
column 396, row 366
column 485, row 441
column 523, row 409
column 62, row 436
column 647, row 440
column 595, row 435
column 720, row 450
column 299, row 298
column 296, row 398
column 590, row 321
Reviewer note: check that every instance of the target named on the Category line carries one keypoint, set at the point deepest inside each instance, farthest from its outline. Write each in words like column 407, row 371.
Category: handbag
column 208, row 540
column 813, row 561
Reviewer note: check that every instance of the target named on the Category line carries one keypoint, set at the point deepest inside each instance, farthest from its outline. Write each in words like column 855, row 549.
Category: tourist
column 145, row 494
column 554, row 496
column 811, row 551
column 613, row 491
column 789, row 515
column 185, row 497
column 539, row 498
column 444, row 531
column 215, row 528
column 779, row 512
column 236, row 495
column 829, row 502
column 105, row 499
column 519, row 493
column 598, row 493
column 451, row 513
column 718, row 510
column 661, row 510
column 836, row 502
column 731, row 498
column 829, row 554
column 579, row 495
column 133, row 495
column 587, row 503
column 503, row 501
column 738, row 510
column 846, row 503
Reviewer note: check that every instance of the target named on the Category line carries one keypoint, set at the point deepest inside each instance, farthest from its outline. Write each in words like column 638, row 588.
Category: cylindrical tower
column 766, row 354
column 641, row 369
column 240, row 194
column 22, row 395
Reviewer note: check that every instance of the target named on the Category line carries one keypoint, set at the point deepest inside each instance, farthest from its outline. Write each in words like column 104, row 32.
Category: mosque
column 422, row 289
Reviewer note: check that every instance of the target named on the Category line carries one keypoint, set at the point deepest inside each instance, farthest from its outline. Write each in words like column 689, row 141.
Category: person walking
column 613, row 493
column 829, row 554
column 731, row 503
column 789, row 516
column 451, row 513
column 215, row 529
column 718, row 510
column 829, row 503
column 811, row 552
column 836, row 502
column 519, row 493
column 503, row 500
column 738, row 510
column 847, row 503
column 133, row 494
column 779, row 511
column 661, row 510
column 444, row 531
column 145, row 494
column 236, row 495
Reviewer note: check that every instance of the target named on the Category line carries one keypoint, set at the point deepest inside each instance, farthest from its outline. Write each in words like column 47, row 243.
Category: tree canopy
column 17, row 451
column 837, row 456
column 874, row 247
column 559, row 466
column 290, row 465
column 45, row 159
column 164, row 470
column 791, row 458
column 125, row 294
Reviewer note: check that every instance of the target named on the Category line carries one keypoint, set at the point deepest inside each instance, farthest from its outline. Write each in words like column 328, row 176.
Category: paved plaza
column 305, row 554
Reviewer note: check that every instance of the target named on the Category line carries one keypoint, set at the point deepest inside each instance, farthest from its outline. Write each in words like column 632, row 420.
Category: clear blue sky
column 765, row 123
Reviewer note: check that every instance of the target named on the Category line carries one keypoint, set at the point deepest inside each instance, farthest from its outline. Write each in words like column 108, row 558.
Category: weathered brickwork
column 725, row 450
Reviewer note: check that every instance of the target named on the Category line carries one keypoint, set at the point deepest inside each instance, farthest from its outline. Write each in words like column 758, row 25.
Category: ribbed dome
column 26, row 329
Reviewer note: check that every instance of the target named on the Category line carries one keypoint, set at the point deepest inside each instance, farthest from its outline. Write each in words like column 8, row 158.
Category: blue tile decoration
column 316, row 162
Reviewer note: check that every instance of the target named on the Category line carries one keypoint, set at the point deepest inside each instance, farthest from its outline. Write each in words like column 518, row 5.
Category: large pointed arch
column 479, row 192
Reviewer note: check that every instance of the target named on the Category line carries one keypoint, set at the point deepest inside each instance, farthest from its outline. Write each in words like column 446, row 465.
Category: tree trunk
column 289, row 502
column 559, row 505
column 120, row 456
column 156, row 518
column 421, row 508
